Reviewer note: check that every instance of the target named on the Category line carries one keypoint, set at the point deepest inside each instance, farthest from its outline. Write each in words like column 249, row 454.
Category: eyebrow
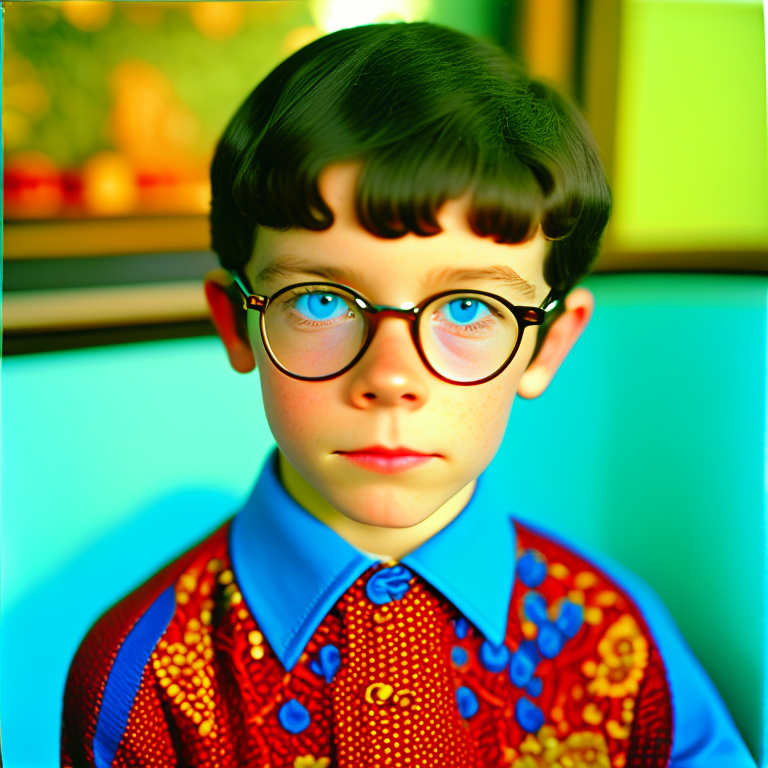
column 290, row 266
column 500, row 273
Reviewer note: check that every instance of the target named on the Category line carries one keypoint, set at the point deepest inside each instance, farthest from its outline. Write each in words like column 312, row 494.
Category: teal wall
column 650, row 445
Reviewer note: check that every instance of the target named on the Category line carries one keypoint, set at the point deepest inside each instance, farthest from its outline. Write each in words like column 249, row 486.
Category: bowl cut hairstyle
column 431, row 113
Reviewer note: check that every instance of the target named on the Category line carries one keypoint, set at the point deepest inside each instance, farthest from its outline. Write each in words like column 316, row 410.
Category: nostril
column 369, row 396
column 409, row 397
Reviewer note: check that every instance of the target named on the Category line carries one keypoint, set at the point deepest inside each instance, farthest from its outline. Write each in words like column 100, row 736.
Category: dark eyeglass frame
column 375, row 313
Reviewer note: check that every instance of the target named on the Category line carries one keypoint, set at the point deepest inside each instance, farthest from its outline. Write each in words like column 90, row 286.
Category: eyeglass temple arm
column 250, row 300
column 549, row 303
column 538, row 315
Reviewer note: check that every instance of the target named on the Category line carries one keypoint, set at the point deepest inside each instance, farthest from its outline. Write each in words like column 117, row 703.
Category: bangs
column 431, row 115
column 402, row 186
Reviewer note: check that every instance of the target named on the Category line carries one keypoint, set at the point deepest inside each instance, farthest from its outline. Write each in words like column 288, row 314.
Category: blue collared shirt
column 292, row 569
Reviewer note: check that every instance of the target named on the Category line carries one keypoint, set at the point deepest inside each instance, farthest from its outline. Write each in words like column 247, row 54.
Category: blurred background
column 120, row 444
column 111, row 112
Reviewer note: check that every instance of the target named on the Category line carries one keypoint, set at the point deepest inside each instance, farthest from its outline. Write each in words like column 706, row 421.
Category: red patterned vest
column 579, row 681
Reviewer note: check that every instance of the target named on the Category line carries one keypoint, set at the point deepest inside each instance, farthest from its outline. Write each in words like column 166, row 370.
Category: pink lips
column 387, row 461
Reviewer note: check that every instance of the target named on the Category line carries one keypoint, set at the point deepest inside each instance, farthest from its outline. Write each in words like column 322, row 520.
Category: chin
column 383, row 514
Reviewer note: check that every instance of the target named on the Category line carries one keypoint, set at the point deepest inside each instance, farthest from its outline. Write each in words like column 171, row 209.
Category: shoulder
column 118, row 645
column 704, row 733
column 587, row 569
column 565, row 558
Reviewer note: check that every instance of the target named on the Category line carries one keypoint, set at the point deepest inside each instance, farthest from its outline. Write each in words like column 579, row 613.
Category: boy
column 402, row 216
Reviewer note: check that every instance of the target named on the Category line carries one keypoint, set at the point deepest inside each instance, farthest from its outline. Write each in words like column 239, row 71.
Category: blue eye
column 465, row 311
column 321, row 306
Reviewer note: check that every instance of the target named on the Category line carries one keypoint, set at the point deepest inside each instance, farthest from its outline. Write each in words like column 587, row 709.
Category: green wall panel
column 691, row 166
column 480, row 17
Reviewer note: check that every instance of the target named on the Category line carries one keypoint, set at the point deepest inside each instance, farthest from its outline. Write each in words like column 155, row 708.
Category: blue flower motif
column 535, row 607
column 293, row 716
column 459, row 656
column 467, row 702
column 523, row 664
column 532, row 568
column 388, row 584
column 528, row 715
column 570, row 619
column 534, row 688
column 329, row 662
column 461, row 625
column 494, row 658
column 550, row 640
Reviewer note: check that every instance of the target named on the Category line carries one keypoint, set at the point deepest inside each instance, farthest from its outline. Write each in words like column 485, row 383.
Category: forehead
column 394, row 269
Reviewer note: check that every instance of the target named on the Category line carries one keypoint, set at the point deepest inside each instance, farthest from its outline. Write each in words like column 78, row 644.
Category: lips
column 378, row 458
column 380, row 450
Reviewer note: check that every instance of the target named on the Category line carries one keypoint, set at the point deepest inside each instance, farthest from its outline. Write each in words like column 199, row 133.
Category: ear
column 564, row 333
column 224, row 314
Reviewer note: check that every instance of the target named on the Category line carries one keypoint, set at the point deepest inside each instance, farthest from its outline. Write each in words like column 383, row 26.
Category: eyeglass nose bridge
column 378, row 312
column 405, row 313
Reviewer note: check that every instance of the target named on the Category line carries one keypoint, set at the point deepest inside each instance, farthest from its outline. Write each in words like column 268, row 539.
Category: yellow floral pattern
column 582, row 749
column 184, row 668
column 623, row 654
column 309, row 761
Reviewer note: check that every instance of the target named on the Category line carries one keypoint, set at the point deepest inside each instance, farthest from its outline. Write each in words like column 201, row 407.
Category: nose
column 390, row 372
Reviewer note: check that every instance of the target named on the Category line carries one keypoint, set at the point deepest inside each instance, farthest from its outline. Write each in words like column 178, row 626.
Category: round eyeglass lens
column 314, row 331
column 467, row 337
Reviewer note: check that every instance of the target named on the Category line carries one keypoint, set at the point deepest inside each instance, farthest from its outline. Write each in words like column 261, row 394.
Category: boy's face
column 390, row 399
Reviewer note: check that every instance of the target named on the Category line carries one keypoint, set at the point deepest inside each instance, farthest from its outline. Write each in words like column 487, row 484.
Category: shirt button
column 523, row 664
column 328, row 664
column 459, row 656
column 462, row 627
column 388, row 584
column 467, row 702
column 494, row 658
column 528, row 715
column 293, row 716
column 532, row 568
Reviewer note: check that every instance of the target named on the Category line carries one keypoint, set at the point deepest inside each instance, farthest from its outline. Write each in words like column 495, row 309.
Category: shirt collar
column 292, row 569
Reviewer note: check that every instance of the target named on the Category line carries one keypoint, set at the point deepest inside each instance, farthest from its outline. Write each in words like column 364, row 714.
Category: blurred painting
column 113, row 109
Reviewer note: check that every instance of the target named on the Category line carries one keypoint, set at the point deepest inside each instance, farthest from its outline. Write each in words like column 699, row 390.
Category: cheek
column 298, row 412
column 475, row 418
column 289, row 407
column 480, row 421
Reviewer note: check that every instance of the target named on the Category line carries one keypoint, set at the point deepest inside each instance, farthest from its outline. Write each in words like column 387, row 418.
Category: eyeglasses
column 317, row 331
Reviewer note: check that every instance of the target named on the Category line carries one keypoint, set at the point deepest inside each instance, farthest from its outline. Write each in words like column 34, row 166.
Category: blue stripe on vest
column 125, row 677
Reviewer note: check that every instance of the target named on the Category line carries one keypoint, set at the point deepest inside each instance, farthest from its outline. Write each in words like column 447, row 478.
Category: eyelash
column 290, row 306
column 481, row 325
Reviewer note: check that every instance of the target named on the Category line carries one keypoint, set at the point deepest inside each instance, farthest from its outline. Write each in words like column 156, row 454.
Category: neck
column 387, row 543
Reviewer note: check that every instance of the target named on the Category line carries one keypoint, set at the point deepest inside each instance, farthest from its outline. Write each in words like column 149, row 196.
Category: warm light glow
column 299, row 37
column 149, row 121
column 217, row 20
column 109, row 184
column 87, row 15
column 332, row 15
